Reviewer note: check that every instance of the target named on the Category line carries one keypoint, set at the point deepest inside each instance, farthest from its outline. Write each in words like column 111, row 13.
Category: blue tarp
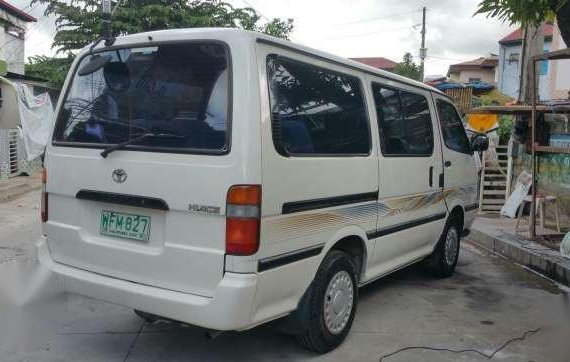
column 479, row 86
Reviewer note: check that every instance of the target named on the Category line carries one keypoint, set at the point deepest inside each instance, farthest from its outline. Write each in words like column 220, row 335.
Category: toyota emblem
column 119, row 175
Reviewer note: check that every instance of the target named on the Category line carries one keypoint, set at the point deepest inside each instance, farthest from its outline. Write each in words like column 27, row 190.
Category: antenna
column 106, row 10
column 423, row 49
column 106, row 34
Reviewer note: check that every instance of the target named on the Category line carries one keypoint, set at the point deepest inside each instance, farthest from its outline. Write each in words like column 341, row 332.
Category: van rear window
column 179, row 93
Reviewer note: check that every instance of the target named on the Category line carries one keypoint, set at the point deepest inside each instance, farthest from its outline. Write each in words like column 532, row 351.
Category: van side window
column 404, row 122
column 315, row 111
column 452, row 128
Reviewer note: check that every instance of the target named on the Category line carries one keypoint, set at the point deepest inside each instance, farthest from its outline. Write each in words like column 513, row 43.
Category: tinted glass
column 178, row 92
column 452, row 128
column 315, row 111
column 404, row 122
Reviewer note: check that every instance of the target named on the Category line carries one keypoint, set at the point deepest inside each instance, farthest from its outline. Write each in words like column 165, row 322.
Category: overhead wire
column 254, row 9
column 394, row 15
column 446, row 58
column 39, row 30
column 376, row 18
column 369, row 33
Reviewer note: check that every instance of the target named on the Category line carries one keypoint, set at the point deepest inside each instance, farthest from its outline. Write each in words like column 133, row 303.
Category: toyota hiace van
column 224, row 178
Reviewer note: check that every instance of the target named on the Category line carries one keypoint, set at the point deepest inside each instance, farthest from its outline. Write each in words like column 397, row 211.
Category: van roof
column 252, row 36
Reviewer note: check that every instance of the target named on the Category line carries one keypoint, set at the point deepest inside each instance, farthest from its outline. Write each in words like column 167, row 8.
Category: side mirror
column 479, row 143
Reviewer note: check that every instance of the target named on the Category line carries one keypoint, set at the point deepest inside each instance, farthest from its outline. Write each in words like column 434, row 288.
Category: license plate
column 122, row 225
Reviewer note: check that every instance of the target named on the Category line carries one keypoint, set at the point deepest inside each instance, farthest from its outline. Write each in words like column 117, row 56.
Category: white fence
column 13, row 160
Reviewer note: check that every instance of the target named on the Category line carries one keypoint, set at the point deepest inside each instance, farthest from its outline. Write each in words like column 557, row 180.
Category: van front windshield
column 176, row 92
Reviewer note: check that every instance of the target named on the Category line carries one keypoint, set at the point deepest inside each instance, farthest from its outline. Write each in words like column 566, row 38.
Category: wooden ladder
column 494, row 185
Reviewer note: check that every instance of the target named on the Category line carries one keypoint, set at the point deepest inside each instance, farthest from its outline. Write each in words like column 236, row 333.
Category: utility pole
column 423, row 50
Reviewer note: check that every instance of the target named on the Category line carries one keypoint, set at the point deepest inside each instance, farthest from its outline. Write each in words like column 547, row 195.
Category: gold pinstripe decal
column 314, row 222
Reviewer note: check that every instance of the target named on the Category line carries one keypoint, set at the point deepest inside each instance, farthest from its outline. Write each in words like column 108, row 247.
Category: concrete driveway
column 490, row 309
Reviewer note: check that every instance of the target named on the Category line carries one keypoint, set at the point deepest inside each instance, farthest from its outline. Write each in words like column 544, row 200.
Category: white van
column 225, row 178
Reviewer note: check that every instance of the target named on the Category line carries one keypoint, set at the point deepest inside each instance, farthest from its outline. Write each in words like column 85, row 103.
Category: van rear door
column 152, row 210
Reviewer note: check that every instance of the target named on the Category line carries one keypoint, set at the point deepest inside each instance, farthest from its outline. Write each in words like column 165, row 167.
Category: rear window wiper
column 121, row 145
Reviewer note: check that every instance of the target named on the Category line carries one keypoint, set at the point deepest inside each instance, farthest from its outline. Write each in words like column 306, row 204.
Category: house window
column 544, row 64
column 544, row 67
column 474, row 80
column 15, row 31
column 513, row 58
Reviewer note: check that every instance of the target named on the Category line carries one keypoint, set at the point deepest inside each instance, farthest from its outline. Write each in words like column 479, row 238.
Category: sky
column 356, row 28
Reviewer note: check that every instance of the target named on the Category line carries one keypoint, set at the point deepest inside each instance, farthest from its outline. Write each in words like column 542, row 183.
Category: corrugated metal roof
column 12, row 10
column 546, row 29
column 479, row 63
column 377, row 62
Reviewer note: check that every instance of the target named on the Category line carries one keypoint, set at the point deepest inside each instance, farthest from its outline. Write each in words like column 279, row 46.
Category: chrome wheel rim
column 451, row 243
column 338, row 302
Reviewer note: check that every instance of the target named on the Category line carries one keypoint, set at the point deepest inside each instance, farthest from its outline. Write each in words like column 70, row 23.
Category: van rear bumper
column 229, row 309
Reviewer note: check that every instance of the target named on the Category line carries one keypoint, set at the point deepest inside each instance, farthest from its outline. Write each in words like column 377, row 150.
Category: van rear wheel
column 441, row 263
column 330, row 304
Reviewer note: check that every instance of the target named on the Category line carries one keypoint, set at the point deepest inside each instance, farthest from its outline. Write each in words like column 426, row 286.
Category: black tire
column 317, row 335
column 439, row 263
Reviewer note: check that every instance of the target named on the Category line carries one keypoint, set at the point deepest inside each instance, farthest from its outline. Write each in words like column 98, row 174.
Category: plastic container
column 559, row 140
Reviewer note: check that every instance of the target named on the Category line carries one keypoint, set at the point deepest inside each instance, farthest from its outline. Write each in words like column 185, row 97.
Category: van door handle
column 431, row 176
column 447, row 164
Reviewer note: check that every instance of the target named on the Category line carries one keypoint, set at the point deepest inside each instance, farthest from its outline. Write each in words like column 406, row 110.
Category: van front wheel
column 330, row 304
column 441, row 263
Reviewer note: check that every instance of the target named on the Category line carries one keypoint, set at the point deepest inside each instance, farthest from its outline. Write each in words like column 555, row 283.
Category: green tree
column 278, row 28
column 53, row 70
column 408, row 68
column 529, row 13
column 78, row 22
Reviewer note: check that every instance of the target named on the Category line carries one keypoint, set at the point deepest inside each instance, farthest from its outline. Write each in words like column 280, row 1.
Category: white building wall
column 559, row 82
column 509, row 71
column 12, row 47
column 544, row 79
column 486, row 75
column 13, row 53
column 562, row 80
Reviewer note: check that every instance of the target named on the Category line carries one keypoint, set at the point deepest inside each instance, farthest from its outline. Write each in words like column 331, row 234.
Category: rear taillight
column 44, row 200
column 243, row 210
